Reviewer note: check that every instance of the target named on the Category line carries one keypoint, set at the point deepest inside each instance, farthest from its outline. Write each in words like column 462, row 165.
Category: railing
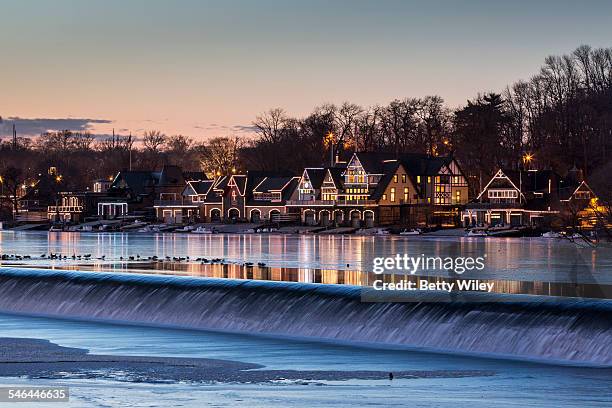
column 310, row 202
column 306, row 203
column 64, row 208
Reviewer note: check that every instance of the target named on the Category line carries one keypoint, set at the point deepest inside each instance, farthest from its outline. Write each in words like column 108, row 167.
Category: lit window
column 405, row 194
column 392, row 194
column 403, row 178
column 395, row 178
column 384, row 197
column 418, row 179
column 429, row 179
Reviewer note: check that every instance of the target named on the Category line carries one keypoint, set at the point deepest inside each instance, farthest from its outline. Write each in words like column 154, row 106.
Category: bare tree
column 220, row 155
column 269, row 125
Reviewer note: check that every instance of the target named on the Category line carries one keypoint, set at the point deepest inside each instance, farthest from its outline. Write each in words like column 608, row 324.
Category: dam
column 563, row 330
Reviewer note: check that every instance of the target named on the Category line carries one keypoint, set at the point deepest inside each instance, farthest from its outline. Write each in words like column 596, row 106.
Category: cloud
column 213, row 127
column 36, row 126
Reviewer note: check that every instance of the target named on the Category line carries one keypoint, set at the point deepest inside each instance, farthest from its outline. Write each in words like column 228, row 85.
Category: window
column 403, row 178
column 406, row 194
column 458, row 196
column 429, row 179
column 392, row 194
column 456, row 179
column 395, row 178
column 502, row 194
column 384, row 197
column 582, row 195
column 419, row 179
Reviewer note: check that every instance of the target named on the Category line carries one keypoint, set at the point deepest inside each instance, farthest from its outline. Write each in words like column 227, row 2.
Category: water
column 524, row 259
column 514, row 383
column 540, row 336
column 566, row 330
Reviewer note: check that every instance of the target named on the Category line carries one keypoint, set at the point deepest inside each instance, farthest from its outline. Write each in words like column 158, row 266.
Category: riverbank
column 38, row 358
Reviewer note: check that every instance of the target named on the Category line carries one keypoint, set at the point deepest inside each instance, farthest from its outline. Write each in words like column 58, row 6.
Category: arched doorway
column 274, row 215
column 355, row 219
column 368, row 217
column 309, row 217
column 255, row 215
column 233, row 214
column 324, row 218
column 215, row 215
column 338, row 217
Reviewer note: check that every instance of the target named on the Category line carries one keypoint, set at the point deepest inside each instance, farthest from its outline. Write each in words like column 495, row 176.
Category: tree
column 12, row 180
column 220, row 156
column 153, row 141
column 269, row 125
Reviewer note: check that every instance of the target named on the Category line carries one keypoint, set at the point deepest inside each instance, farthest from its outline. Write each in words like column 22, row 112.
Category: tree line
column 559, row 118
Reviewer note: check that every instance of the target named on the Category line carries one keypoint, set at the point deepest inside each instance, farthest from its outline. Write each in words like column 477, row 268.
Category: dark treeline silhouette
column 560, row 118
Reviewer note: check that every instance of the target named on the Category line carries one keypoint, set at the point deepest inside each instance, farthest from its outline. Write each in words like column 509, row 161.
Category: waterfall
column 571, row 331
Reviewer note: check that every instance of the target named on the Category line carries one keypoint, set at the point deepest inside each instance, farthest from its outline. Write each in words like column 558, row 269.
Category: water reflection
column 528, row 259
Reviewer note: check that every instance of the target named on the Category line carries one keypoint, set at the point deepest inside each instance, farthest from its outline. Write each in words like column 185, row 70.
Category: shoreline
column 42, row 359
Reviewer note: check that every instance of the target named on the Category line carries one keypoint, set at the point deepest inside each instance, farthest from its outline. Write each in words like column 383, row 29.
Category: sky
column 208, row 68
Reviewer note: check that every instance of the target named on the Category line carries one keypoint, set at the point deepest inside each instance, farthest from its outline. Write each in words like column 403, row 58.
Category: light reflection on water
column 523, row 259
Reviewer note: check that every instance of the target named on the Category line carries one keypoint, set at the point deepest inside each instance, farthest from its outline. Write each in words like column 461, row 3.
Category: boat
column 477, row 233
column 135, row 225
column 186, row 228
column 381, row 231
column 551, row 234
column 507, row 232
column 411, row 232
column 148, row 229
column 203, row 230
column 55, row 229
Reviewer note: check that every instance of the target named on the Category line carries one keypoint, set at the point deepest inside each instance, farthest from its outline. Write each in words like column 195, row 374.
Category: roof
column 424, row 165
column 221, row 182
column 416, row 164
column 200, row 187
column 137, row 181
column 389, row 169
column 171, row 176
column 286, row 186
column 316, row 175
column 241, row 181
column 373, row 162
column 532, row 181
column 272, row 184
column 336, row 174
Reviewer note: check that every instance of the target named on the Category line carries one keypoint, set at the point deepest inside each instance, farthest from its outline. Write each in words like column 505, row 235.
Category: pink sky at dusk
column 204, row 68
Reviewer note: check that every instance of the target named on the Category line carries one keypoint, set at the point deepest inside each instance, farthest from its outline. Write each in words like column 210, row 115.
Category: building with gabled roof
column 527, row 198
column 269, row 198
column 383, row 188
